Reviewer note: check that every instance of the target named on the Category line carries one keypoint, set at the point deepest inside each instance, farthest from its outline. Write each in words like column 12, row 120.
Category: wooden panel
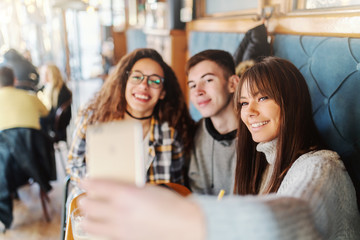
column 337, row 25
column 178, row 58
column 328, row 25
column 119, row 45
column 222, row 25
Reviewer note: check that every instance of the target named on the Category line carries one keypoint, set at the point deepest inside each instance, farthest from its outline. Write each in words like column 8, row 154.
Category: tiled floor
column 29, row 222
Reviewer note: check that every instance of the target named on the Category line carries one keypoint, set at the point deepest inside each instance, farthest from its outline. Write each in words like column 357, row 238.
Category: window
column 326, row 4
column 213, row 8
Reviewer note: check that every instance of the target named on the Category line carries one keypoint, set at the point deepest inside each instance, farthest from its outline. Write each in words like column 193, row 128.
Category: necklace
column 138, row 118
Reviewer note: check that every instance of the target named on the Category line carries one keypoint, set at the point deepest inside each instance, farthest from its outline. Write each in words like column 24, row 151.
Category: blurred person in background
column 19, row 108
column 25, row 152
column 25, row 72
column 27, row 55
column 55, row 93
column 107, row 53
column 107, row 58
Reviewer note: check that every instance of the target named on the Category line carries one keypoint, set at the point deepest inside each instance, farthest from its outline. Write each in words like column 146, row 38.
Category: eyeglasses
column 154, row 81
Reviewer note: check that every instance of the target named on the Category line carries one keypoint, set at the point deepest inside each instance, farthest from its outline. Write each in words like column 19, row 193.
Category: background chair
column 25, row 154
column 58, row 133
column 64, row 220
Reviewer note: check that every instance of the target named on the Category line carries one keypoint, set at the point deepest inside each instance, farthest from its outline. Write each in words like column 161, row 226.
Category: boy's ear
column 233, row 82
column 162, row 94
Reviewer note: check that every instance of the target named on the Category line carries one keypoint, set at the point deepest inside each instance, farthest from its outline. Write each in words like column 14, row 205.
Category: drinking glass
column 76, row 219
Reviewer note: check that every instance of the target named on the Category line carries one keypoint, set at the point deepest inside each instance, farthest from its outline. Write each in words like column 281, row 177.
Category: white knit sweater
column 316, row 200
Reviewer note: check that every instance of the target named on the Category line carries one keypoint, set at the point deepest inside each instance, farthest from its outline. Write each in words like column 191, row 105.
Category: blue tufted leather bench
column 331, row 67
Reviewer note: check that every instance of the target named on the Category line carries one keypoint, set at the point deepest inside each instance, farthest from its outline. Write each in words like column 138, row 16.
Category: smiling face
column 260, row 114
column 210, row 92
column 141, row 99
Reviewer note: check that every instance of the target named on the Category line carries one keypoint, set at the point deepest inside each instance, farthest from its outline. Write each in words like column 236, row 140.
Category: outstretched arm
column 121, row 211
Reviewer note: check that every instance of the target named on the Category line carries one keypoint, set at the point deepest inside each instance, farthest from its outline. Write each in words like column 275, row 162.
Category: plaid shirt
column 166, row 152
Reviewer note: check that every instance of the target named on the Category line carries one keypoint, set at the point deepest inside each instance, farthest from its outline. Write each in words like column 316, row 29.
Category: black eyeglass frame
column 157, row 86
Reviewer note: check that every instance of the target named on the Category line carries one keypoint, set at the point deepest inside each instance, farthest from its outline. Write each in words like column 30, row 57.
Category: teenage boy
column 18, row 108
column 212, row 83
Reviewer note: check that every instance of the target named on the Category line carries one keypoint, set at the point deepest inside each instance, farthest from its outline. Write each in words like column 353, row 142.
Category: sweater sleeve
column 265, row 217
column 316, row 200
column 320, row 179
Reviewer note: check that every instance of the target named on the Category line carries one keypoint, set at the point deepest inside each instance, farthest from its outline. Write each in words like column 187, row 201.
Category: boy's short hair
column 222, row 58
column 6, row 76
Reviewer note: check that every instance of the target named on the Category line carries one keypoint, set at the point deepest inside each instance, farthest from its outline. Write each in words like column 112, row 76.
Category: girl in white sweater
column 296, row 189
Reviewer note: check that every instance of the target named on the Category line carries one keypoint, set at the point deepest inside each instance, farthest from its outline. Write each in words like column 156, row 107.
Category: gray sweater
column 316, row 200
column 213, row 160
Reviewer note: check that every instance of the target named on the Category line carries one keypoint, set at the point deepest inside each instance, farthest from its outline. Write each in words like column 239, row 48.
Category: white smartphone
column 115, row 150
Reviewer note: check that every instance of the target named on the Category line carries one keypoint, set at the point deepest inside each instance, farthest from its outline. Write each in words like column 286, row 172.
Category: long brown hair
column 281, row 81
column 110, row 103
